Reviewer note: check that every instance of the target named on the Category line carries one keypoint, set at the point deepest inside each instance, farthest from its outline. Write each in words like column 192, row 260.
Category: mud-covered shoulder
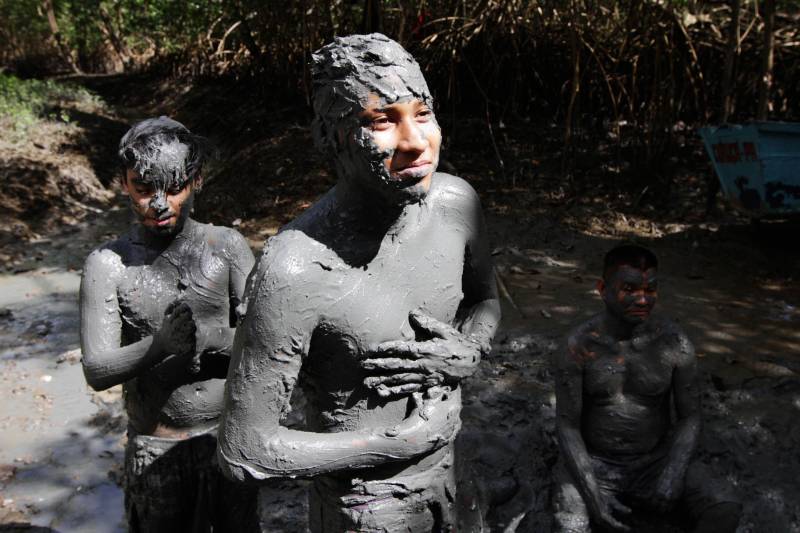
column 455, row 202
column 672, row 340
column 283, row 290
column 289, row 256
column 108, row 259
column 579, row 340
column 224, row 240
column 452, row 191
column 590, row 330
column 219, row 237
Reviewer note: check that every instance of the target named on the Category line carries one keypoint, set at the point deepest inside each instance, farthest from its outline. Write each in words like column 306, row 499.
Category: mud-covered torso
column 359, row 306
column 194, row 270
column 627, row 389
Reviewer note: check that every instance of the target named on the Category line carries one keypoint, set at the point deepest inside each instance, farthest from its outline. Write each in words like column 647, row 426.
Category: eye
column 424, row 115
column 380, row 123
column 143, row 189
column 175, row 189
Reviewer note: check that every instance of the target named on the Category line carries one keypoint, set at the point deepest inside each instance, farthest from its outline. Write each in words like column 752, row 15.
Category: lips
column 416, row 170
column 160, row 221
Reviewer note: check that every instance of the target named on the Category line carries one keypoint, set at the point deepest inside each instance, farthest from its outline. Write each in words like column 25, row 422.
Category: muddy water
column 60, row 443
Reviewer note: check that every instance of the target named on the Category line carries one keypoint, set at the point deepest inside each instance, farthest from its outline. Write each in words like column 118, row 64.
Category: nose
column 641, row 298
column 412, row 138
column 159, row 202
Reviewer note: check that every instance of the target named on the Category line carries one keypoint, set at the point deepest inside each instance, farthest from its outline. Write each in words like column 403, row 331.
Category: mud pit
column 738, row 298
column 62, row 444
column 61, row 451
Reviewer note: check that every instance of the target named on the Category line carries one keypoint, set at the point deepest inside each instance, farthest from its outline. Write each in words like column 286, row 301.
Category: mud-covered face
column 395, row 149
column 409, row 134
column 373, row 116
column 161, row 206
column 630, row 293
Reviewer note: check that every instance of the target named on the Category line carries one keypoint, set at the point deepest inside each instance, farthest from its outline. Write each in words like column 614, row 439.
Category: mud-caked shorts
column 424, row 501
column 175, row 485
column 628, row 481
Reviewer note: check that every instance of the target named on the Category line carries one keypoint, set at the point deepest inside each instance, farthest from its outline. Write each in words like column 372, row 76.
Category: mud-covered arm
column 687, row 427
column 569, row 398
column 105, row 362
column 240, row 260
column 268, row 352
column 479, row 311
column 568, row 369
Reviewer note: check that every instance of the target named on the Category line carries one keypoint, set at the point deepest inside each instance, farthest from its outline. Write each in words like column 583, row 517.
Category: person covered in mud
column 377, row 300
column 621, row 375
column 158, row 309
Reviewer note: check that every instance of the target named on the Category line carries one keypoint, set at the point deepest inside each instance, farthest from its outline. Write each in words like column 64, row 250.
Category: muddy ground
column 734, row 290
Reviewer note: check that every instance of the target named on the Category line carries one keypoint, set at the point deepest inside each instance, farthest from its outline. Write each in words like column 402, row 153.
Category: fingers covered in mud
column 403, row 383
column 178, row 330
column 433, row 420
column 446, row 357
column 423, row 323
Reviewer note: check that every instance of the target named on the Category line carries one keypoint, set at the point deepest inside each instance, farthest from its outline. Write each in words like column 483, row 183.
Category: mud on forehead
column 160, row 161
column 352, row 71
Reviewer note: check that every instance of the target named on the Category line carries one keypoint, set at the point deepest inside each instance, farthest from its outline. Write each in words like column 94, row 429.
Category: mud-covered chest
column 198, row 278
column 622, row 368
column 371, row 305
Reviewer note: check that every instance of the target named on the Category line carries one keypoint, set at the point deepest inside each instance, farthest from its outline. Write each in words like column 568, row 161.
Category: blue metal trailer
column 758, row 166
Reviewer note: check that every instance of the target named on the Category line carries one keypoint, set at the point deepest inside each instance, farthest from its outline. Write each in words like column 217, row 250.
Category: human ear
column 600, row 286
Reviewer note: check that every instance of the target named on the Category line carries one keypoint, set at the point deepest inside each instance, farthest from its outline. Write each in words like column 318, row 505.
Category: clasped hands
column 176, row 339
column 443, row 357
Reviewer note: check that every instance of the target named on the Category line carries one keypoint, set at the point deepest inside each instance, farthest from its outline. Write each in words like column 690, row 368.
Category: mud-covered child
column 378, row 300
column 158, row 310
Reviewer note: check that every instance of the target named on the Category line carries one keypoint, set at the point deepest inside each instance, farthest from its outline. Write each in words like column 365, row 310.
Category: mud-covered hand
column 176, row 336
column 445, row 356
column 433, row 421
column 666, row 491
column 605, row 512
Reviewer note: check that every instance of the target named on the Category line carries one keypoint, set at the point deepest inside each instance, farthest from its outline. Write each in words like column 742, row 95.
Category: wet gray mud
column 60, row 443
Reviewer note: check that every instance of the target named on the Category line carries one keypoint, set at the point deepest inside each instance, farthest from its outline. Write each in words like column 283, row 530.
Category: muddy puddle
column 60, row 443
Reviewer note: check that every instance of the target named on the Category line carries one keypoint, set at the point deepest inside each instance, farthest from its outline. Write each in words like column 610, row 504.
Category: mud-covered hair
column 348, row 70
column 628, row 254
column 141, row 148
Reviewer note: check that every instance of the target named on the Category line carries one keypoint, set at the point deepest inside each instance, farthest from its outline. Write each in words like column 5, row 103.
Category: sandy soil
column 734, row 291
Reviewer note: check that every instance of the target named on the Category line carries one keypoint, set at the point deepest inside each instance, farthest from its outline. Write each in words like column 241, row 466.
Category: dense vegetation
column 632, row 73
column 24, row 102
